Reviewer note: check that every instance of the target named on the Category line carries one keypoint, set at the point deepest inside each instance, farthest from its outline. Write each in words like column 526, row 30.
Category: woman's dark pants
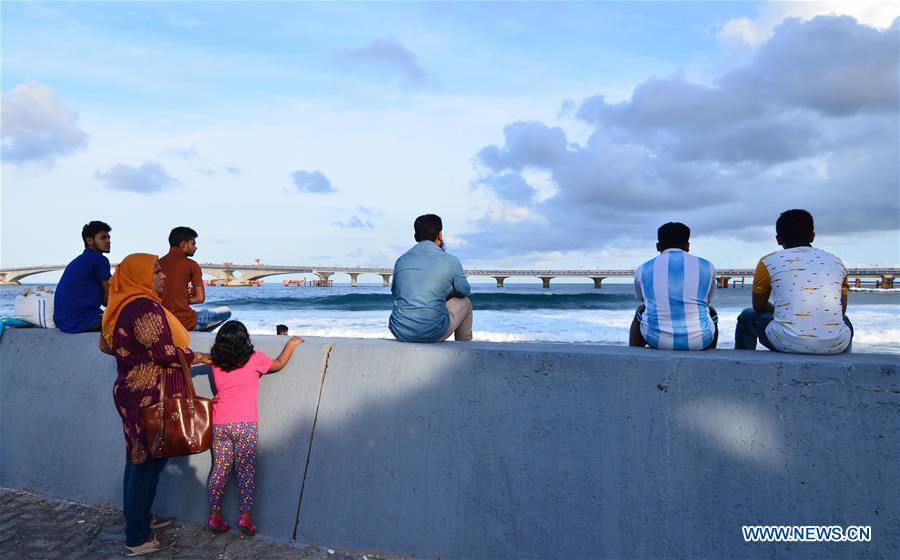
column 139, row 489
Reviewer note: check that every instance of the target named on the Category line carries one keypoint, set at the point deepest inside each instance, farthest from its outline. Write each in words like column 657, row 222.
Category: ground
column 38, row 527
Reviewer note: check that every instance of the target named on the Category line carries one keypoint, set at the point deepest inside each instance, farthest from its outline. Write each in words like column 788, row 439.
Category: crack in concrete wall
column 312, row 439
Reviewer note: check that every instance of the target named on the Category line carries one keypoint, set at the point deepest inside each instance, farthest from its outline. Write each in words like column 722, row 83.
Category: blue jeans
column 139, row 490
column 751, row 325
column 208, row 319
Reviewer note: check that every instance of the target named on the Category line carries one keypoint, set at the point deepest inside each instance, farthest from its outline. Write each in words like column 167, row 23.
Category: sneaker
column 160, row 522
column 155, row 544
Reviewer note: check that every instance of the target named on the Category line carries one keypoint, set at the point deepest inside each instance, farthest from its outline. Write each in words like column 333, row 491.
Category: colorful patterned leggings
column 234, row 446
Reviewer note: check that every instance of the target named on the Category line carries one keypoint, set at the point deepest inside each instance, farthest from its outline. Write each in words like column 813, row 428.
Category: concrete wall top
column 603, row 350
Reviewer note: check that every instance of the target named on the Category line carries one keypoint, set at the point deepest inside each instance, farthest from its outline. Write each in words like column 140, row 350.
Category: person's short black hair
column 794, row 227
column 673, row 234
column 281, row 329
column 91, row 229
column 180, row 234
column 427, row 227
column 232, row 348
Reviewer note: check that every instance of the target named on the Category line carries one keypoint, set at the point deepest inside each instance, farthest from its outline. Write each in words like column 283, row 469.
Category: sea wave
column 481, row 301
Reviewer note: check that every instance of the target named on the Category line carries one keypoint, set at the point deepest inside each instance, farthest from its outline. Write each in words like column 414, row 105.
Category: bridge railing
column 14, row 274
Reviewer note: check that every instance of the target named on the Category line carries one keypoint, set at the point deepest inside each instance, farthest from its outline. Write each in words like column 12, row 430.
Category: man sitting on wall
column 808, row 288
column 84, row 285
column 676, row 288
column 430, row 289
column 184, row 283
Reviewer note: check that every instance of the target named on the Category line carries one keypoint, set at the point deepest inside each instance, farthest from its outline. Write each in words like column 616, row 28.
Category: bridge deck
column 254, row 272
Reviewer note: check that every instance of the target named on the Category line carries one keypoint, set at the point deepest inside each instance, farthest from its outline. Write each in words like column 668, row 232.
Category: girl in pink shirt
column 236, row 371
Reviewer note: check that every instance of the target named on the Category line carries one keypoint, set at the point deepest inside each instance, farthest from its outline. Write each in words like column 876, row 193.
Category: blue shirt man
column 84, row 284
column 430, row 290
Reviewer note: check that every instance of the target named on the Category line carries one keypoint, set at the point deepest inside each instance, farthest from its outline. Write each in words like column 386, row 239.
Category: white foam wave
column 877, row 327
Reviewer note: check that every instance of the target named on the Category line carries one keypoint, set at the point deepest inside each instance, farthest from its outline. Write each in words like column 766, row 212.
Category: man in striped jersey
column 676, row 288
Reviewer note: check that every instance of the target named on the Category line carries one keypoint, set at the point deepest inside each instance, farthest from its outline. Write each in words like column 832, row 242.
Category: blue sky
column 545, row 134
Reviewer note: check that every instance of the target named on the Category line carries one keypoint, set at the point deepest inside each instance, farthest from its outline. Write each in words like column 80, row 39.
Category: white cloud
column 150, row 177
column 312, row 182
column 36, row 126
column 453, row 240
column 355, row 222
column 754, row 32
column 542, row 182
column 879, row 14
column 387, row 60
column 500, row 213
column 745, row 30
column 210, row 172
column 184, row 152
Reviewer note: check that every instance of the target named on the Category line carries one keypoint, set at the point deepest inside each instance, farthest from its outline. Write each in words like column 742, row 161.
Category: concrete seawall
column 495, row 450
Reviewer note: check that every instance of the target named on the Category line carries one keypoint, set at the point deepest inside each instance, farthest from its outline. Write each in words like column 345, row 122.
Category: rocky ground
column 37, row 527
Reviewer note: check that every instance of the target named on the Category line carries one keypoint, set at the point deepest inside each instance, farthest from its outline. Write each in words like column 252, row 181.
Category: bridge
column 878, row 276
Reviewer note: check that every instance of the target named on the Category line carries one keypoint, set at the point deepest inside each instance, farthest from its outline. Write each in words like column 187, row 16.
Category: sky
column 551, row 135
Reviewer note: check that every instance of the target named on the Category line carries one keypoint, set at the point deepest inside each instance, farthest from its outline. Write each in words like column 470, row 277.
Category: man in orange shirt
column 184, row 283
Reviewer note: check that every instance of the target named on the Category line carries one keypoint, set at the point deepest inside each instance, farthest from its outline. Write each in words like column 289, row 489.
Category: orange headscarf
column 133, row 280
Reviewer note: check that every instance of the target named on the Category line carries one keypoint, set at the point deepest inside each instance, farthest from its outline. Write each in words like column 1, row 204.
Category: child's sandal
column 216, row 525
column 247, row 526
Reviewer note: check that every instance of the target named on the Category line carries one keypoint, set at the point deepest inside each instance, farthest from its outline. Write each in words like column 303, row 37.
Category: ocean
column 564, row 313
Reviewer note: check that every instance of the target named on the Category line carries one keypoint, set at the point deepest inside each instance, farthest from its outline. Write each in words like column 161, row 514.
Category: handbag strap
column 162, row 388
column 186, row 372
column 161, row 411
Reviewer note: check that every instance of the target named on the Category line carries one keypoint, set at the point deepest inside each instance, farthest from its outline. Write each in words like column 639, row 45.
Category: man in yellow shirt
column 808, row 290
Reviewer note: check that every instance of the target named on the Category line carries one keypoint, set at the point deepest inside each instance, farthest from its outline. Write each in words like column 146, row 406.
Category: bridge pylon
column 323, row 275
column 226, row 275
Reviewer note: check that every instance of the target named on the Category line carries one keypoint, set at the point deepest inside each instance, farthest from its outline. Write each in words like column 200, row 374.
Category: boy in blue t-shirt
column 84, row 285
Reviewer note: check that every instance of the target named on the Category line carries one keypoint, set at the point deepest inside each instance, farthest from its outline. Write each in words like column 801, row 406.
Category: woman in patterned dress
column 142, row 335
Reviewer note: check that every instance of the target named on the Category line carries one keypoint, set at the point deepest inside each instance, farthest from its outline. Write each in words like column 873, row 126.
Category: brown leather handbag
column 178, row 425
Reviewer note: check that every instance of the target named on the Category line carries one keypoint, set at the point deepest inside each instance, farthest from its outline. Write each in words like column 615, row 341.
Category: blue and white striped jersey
column 677, row 288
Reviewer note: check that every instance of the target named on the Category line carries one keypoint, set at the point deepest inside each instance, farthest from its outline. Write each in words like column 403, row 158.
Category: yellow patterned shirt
column 806, row 285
